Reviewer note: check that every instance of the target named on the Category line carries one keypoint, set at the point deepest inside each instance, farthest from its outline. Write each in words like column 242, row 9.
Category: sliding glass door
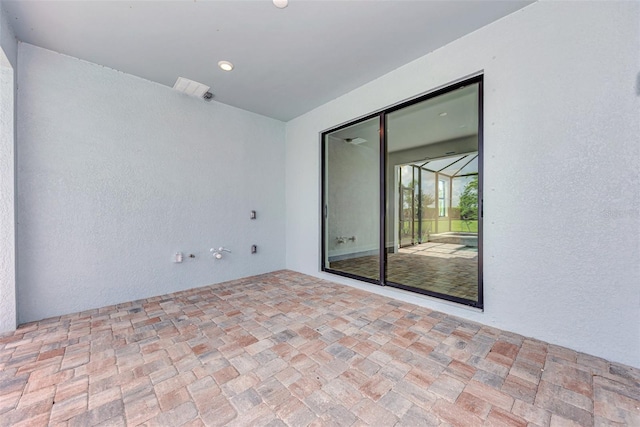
column 402, row 196
column 352, row 200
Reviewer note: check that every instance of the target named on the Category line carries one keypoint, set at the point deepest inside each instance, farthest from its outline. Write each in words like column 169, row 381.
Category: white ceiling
column 446, row 117
column 287, row 61
column 422, row 123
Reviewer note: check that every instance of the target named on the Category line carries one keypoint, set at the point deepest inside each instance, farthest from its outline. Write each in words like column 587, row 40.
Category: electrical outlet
column 254, row 249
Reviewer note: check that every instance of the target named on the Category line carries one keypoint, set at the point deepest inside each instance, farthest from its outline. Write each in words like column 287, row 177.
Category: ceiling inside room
column 287, row 61
column 448, row 117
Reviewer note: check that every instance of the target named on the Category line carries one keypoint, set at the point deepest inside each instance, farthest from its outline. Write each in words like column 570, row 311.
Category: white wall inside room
column 562, row 212
column 352, row 199
column 8, row 64
column 116, row 174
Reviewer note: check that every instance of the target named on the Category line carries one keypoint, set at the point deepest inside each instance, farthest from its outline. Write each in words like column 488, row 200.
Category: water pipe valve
column 217, row 253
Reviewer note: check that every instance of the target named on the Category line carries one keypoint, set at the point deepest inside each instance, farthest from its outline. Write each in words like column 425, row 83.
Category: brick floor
column 446, row 268
column 288, row 349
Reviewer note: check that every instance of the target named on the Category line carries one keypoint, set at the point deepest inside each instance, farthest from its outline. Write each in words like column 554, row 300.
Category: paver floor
column 438, row 267
column 288, row 349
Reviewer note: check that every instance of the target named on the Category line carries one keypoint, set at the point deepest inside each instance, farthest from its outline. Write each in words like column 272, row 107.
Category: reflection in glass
column 352, row 200
column 432, row 195
column 424, row 198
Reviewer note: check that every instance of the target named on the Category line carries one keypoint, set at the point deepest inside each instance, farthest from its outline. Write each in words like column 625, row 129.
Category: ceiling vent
column 193, row 88
column 355, row 141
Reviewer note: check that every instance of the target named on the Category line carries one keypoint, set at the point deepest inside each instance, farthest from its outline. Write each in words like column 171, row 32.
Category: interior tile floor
column 288, row 349
column 449, row 269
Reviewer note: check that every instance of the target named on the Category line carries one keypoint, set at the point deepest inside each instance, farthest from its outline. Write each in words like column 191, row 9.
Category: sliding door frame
column 383, row 145
column 324, row 209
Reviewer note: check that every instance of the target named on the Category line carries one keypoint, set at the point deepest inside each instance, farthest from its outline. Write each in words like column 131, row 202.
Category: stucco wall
column 352, row 199
column 562, row 212
column 116, row 174
column 8, row 68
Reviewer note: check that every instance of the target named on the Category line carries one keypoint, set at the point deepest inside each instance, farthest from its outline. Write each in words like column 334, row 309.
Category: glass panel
column 429, row 212
column 407, row 206
column 443, row 184
column 465, row 202
column 470, row 168
column 456, row 166
column 441, row 164
column 352, row 200
column 435, row 247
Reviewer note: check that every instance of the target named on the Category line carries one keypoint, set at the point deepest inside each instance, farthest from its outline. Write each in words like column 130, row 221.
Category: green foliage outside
column 421, row 202
column 462, row 218
column 469, row 204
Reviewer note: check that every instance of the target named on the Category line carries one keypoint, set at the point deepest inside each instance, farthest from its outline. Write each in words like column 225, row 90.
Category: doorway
column 402, row 196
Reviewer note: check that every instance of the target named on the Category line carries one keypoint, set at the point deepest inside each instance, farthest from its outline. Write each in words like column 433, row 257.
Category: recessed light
column 443, row 114
column 225, row 65
column 355, row 141
column 280, row 4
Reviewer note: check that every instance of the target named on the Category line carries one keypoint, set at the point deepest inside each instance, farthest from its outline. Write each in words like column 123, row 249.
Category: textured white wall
column 352, row 199
column 562, row 213
column 8, row 63
column 116, row 174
